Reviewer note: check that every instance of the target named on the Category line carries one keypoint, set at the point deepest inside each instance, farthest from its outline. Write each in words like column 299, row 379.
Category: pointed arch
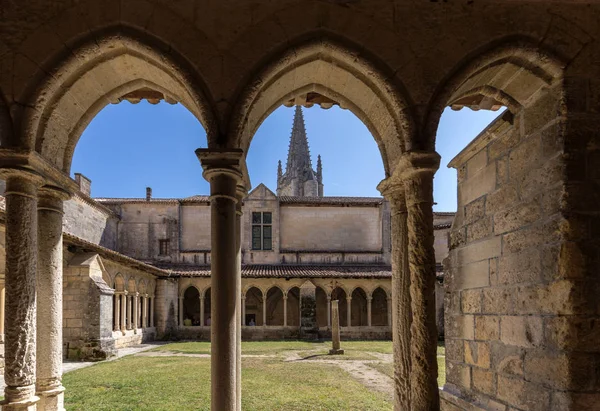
column 339, row 72
column 507, row 74
column 99, row 69
column 119, row 282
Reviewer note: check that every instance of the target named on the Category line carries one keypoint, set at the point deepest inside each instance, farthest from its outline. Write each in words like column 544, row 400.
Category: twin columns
column 33, row 281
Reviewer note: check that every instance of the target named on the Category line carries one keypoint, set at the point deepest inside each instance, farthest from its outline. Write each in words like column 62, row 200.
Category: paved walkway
column 69, row 365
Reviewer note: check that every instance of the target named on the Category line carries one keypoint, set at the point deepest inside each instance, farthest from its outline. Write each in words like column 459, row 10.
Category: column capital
column 369, row 298
column 414, row 163
column 52, row 198
column 221, row 162
column 348, row 298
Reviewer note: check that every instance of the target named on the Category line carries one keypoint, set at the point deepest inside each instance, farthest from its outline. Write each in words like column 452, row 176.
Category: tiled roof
column 136, row 200
column 442, row 226
column 291, row 271
column 330, row 200
column 198, row 198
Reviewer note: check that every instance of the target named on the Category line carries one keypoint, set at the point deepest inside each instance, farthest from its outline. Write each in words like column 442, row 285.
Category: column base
column 336, row 352
column 30, row 404
column 52, row 400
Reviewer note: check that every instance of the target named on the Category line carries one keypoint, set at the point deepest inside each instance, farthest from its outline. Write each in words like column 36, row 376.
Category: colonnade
column 410, row 192
column 132, row 311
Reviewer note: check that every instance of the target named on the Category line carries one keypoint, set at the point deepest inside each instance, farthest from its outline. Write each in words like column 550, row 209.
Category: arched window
column 191, row 306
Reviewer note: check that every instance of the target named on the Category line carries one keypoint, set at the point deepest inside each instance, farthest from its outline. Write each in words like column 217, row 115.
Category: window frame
column 166, row 243
column 259, row 230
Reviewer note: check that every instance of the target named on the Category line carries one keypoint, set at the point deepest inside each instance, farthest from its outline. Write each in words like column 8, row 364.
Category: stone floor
column 75, row 365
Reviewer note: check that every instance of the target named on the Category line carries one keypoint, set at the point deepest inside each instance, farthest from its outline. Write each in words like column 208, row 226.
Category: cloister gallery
column 521, row 286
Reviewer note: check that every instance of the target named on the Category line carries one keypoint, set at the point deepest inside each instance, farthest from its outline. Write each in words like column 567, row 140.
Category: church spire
column 298, row 153
column 299, row 179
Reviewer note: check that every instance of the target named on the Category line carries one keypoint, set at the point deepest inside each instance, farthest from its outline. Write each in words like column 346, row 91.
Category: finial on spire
column 319, row 169
column 279, row 171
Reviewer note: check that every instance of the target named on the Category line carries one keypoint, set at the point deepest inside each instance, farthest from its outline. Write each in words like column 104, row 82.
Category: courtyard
column 277, row 375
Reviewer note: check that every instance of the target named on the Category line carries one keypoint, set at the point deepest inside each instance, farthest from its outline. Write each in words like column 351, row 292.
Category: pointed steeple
column 298, row 161
column 299, row 179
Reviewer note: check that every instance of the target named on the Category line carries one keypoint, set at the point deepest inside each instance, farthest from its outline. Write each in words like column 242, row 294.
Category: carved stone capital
column 52, row 198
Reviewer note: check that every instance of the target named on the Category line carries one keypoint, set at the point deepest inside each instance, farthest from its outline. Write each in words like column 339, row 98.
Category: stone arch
column 254, row 305
column 338, row 72
column 505, row 75
column 293, row 306
column 274, row 301
column 185, row 288
column 207, row 305
column 131, row 285
column 358, row 310
column 340, row 294
column 100, row 69
column 119, row 282
column 321, row 306
column 142, row 287
column 191, row 305
column 379, row 307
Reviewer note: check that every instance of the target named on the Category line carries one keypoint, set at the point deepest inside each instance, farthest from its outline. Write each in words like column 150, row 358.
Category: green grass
column 269, row 383
column 175, row 383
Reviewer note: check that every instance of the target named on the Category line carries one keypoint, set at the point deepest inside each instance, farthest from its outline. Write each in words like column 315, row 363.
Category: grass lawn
column 269, row 383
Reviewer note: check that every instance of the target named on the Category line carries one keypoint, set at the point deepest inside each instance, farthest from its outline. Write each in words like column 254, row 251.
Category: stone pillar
column 328, row 311
column 417, row 172
column 221, row 170
column 285, row 310
column 369, row 305
column 124, row 312
column 393, row 191
column 2, row 295
column 136, row 314
column 244, row 310
column 151, row 302
column 348, row 311
column 264, row 308
column 335, row 329
column 49, row 284
column 308, row 312
column 388, row 302
column 130, row 302
column 202, row 322
column 20, row 281
column 117, row 313
column 181, row 311
column 145, row 311
column 240, row 194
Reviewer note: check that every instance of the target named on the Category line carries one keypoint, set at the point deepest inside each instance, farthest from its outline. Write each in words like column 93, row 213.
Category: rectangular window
column 163, row 247
column 262, row 231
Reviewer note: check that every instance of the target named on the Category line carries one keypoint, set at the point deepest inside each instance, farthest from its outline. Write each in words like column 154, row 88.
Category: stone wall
column 508, row 302
column 331, row 228
column 90, row 221
column 166, row 308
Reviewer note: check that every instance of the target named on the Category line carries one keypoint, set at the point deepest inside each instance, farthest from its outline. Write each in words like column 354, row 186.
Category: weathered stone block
column 481, row 250
column 562, row 371
column 487, row 327
column 516, row 217
column 474, row 210
column 479, row 229
column 473, row 275
column 507, row 359
column 471, row 301
column 522, row 331
column 519, row 268
column 483, row 381
column 477, row 353
column 572, row 333
column 523, row 394
column 545, row 109
column 460, row 326
column 458, row 374
column 501, row 199
column 498, row 301
column 480, row 184
column 525, row 156
column 534, row 236
column 503, row 143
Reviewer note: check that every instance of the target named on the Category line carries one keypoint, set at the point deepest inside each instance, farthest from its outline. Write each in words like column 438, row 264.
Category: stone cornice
column 33, row 161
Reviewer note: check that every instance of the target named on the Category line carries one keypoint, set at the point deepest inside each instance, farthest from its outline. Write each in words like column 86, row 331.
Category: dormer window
column 262, row 231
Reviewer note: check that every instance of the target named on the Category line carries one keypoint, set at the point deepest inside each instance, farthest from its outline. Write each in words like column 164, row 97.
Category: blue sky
column 128, row 147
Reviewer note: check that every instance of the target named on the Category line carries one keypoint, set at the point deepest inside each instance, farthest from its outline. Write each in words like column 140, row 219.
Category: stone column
column 136, row 314
column 124, row 312
column 117, row 313
column 369, row 305
column 145, row 311
column 221, row 170
column 20, row 282
column 2, row 295
column 243, row 310
column 151, row 303
column 181, row 311
column 285, row 310
column 49, row 283
column 264, row 308
column 388, row 302
column 328, row 311
column 348, row 311
column 240, row 194
column 335, row 329
column 393, row 191
column 417, row 172
column 202, row 312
